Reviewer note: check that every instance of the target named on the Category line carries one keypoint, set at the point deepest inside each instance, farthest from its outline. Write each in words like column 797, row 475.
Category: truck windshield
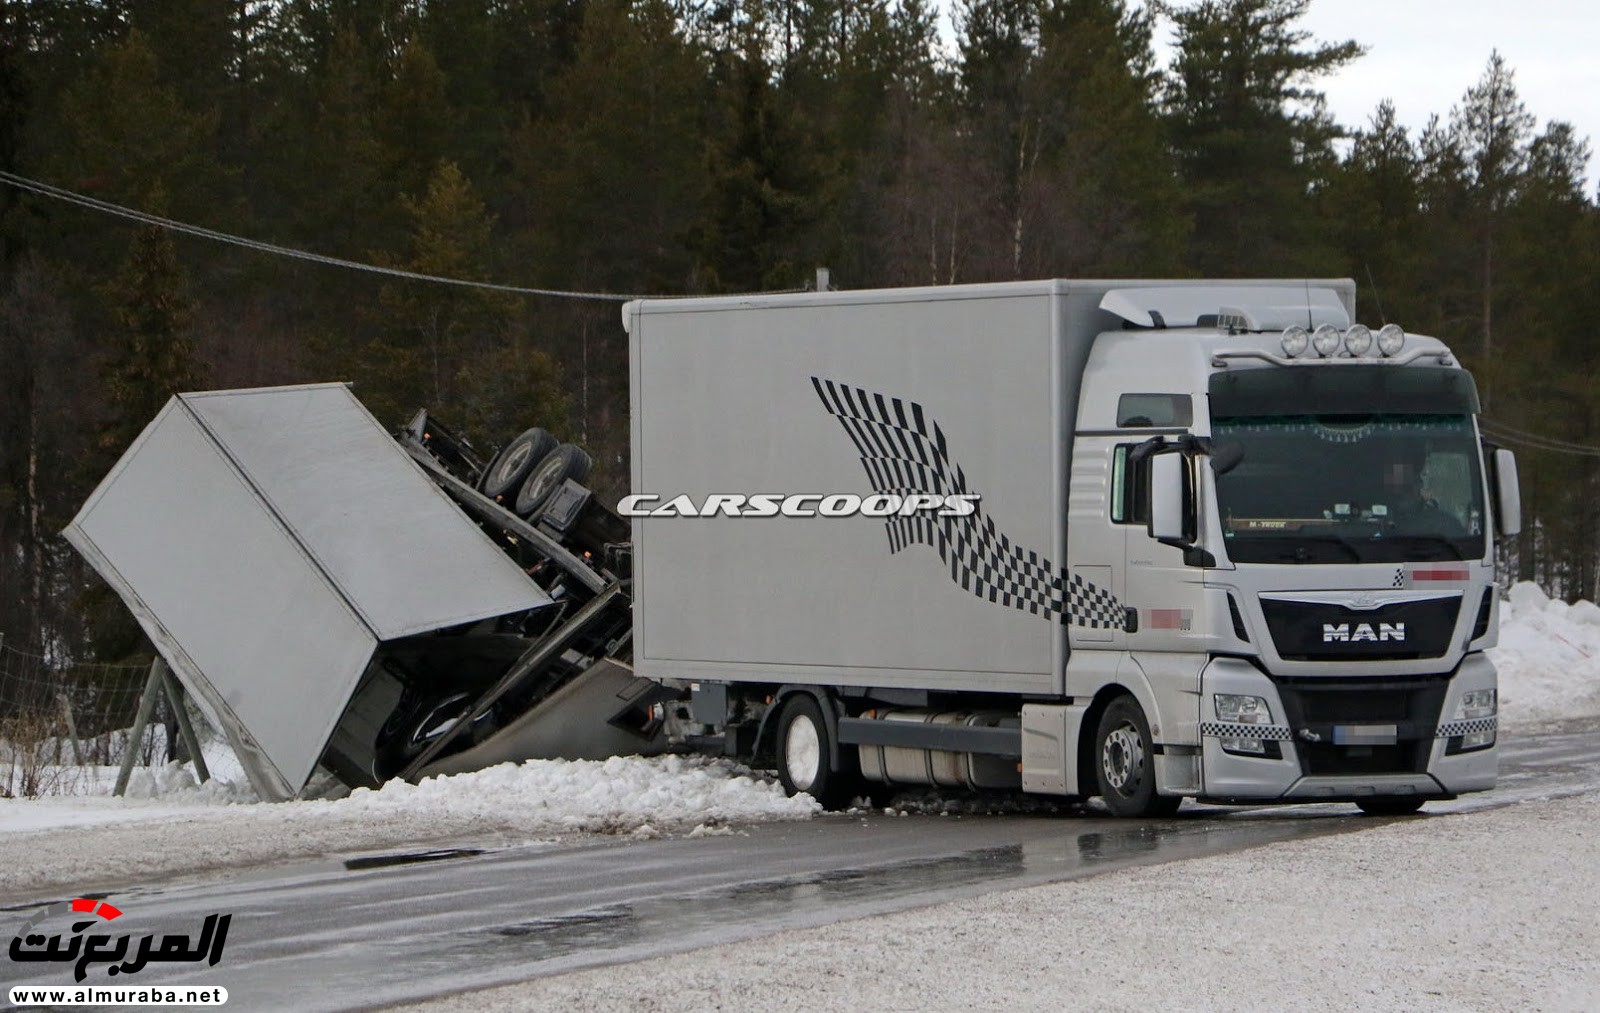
column 1382, row 488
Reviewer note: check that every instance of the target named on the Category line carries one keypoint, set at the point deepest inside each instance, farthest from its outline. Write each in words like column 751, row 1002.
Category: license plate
column 1365, row 735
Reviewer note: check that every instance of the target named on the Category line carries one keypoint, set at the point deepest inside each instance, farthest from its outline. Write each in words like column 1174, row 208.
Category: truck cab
column 1297, row 518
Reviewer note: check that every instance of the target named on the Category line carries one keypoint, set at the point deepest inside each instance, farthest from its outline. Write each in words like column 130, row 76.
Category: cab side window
column 1130, row 487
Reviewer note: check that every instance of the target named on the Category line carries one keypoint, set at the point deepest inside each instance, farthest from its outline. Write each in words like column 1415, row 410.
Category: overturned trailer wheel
column 560, row 464
column 511, row 467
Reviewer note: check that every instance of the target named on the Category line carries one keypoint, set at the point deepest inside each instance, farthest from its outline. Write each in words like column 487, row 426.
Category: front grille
column 1316, row 708
column 1400, row 631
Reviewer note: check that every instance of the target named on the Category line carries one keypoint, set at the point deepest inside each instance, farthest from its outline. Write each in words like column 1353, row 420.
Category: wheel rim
column 512, row 463
column 541, row 482
column 802, row 752
column 1122, row 757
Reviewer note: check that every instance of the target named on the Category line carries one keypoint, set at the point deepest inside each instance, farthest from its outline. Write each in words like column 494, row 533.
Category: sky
column 1424, row 55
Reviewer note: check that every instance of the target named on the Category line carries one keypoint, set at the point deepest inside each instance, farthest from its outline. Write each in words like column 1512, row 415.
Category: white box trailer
column 315, row 588
column 1089, row 537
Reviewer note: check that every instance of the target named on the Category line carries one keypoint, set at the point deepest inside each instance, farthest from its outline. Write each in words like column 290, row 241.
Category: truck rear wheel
column 509, row 469
column 1401, row 806
column 1125, row 763
column 803, row 755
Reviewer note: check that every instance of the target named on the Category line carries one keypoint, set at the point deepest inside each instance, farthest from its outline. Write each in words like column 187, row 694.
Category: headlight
column 1326, row 339
column 1479, row 703
column 1358, row 340
column 1242, row 710
column 1391, row 339
column 1295, row 340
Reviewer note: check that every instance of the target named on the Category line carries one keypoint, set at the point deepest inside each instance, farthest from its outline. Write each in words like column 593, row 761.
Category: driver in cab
column 1412, row 508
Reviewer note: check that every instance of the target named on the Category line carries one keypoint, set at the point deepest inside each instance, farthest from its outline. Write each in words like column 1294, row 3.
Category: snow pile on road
column 627, row 794
column 1548, row 658
column 199, row 828
column 176, row 782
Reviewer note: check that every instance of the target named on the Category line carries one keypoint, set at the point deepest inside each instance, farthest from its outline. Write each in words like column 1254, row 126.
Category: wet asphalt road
column 389, row 928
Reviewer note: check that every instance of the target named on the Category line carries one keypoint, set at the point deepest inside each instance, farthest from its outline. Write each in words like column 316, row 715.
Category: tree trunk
column 35, row 542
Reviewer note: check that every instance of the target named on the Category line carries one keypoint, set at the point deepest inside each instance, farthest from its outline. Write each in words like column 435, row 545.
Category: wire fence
column 62, row 725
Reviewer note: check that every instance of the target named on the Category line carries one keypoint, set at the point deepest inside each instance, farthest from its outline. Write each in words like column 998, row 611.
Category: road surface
column 381, row 929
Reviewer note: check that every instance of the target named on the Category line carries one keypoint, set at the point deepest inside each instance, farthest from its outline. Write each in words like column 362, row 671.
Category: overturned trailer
column 334, row 595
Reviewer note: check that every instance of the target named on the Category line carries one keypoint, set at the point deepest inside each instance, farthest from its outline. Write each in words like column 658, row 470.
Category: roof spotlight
column 1358, row 340
column 1325, row 340
column 1295, row 340
column 1391, row 339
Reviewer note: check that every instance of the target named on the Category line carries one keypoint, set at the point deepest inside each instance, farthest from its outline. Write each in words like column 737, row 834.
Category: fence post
column 72, row 727
column 147, row 702
column 191, row 742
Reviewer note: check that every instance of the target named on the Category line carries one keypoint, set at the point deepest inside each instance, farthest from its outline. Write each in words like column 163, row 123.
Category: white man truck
column 1142, row 540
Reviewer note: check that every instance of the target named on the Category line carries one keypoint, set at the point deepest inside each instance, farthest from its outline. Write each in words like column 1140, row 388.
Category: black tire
column 803, row 747
column 560, row 464
column 1124, row 763
column 509, row 469
column 1390, row 806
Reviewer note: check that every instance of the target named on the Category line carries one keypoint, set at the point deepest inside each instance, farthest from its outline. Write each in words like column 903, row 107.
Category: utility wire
column 1533, row 441
column 144, row 217
column 1513, row 430
column 1497, row 430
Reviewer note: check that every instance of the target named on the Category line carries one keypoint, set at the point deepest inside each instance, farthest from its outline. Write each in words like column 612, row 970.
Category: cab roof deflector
column 1270, row 308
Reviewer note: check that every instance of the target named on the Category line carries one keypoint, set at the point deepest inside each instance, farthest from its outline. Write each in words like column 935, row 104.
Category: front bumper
column 1417, row 754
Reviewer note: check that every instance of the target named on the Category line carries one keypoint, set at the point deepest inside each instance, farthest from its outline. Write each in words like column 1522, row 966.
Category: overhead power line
column 1514, row 431
column 144, row 217
column 1503, row 433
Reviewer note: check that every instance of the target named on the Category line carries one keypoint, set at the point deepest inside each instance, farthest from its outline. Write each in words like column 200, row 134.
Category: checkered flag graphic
column 905, row 452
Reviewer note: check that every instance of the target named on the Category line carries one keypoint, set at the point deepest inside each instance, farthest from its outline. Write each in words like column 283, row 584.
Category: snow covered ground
column 83, row 841
column 1549, row 662
column 1489, row 911
column 1548, row 659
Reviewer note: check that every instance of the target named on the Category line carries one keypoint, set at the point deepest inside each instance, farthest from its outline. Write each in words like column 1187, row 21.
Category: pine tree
column 1492, row 129
column 452, row 350
column 1251, row 132
column 1058, row 100
column 151, row 354
column 1373, row 204
column 765, row 175
column 611, row 172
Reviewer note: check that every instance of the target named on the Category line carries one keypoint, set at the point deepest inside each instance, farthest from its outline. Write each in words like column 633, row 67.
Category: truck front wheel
column 1125, row 763
column 803, row 751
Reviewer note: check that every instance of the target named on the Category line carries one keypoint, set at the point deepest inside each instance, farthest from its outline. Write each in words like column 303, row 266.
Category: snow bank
column 188, row 828
column 1548, row 659
column 622, row 794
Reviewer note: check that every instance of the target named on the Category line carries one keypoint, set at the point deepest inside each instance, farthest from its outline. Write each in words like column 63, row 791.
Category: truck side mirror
column 1167, row 479
column 1507, row 497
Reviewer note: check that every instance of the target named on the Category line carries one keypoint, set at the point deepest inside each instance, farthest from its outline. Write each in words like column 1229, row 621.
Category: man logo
column 1343, row 633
